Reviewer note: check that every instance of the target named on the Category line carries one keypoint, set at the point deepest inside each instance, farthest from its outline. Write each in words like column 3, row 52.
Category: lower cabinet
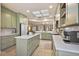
column 47, row 36
column 7, row 41
column 0, row 42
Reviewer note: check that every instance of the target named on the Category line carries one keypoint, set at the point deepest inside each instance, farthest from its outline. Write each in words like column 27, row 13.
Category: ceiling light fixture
column 45, row 19
column 50, row 6
column 28, row 11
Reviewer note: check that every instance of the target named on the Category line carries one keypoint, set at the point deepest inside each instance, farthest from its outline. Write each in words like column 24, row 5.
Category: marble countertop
column 63, row 46
column 27, row 36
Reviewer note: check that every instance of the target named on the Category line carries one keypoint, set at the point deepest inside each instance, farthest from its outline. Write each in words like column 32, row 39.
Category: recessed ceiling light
column 45, row 19
column 50, row 6
column 28, row 11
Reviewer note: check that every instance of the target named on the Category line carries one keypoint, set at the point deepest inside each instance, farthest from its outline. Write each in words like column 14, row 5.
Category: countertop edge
column 62, row 49
column 25, row 36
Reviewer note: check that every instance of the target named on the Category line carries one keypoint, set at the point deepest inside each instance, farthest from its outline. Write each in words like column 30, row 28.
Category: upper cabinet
column 14, row 20
column 0, row 16
column 3, row 15
column 72, row 13
column 69, row 14
column 8, row 18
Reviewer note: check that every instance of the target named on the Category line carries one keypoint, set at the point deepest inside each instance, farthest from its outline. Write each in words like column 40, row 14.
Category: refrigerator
column 23, row 29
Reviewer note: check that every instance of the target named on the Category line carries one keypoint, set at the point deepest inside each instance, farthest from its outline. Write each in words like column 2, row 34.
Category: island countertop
column 27, row 36
column 60, row 45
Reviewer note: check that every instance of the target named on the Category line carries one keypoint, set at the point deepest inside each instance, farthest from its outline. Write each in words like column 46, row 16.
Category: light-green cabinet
column 47, row 36
column 7, row 41
column 9, row 18
column 5, row 18
column 0, row 42
column 14, row 21
column 72, row 13
column 0, row 16
column 3, row 22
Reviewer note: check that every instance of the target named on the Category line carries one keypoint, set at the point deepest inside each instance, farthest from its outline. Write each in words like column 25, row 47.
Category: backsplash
column 74, row 28
column 7, row 31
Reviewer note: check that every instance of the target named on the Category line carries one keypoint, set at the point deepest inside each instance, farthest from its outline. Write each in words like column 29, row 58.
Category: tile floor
column 9, row 52
column 44, row 49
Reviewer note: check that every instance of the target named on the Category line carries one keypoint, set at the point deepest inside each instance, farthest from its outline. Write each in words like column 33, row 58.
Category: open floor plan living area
column 39, row 29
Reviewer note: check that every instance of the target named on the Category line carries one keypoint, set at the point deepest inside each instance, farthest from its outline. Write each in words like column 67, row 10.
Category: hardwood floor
column 44, row 49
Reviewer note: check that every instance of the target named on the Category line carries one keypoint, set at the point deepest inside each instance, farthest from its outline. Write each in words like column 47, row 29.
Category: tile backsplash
column 73, row 28
column 7, row 31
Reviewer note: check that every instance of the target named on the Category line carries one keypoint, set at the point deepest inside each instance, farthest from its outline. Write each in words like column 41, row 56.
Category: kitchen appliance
column 71, row 36
column 23, row 29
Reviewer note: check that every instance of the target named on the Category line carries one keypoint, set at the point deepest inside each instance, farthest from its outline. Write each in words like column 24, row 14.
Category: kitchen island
column 61, row 48
column 26, row 44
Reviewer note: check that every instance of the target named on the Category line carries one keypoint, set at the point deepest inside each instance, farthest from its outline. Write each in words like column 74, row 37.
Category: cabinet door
column 7, row 41
column 72, row 13
column 10, row 41
column 3, row 22
column 0, row 43
column 43, row 35
column 4, row 43
column 8, row 18
column 14, row 20
column 0, row 16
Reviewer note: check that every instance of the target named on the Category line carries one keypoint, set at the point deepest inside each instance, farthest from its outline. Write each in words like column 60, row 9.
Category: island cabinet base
column 25, row 47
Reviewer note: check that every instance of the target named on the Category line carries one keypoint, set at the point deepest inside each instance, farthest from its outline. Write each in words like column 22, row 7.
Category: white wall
column 24, row 20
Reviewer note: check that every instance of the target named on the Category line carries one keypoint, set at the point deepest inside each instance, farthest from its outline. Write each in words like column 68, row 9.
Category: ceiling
column 23, row 7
